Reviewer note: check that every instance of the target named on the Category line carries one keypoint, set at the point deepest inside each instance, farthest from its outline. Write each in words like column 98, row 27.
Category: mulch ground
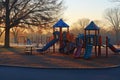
column 57, row 60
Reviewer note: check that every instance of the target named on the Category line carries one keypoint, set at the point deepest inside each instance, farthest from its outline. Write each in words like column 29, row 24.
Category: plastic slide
column 78, row 51
column 113, row 48
column 48, row 45
column 71, row 48
column 67, row 48
column 88, row 51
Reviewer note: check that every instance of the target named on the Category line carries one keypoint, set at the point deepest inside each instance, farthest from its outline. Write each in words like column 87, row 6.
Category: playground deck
column 56, row 60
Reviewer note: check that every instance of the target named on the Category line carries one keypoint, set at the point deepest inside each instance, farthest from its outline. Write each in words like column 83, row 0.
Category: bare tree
column 28, row 13
column 83, row 23
column 113, row 17
column 79, row 26
column 75, row 30
column 15, row 32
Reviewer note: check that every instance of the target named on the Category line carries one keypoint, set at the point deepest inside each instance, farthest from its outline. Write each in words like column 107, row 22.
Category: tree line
column 110, row 26
column 41, row 14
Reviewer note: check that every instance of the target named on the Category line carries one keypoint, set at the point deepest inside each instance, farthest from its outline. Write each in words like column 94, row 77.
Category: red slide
column 78, row 51
column 113, row 48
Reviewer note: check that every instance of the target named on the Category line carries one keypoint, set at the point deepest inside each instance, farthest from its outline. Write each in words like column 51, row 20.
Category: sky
column 91, row 9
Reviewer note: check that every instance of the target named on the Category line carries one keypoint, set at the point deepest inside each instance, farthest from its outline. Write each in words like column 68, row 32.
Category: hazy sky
column 92, row 9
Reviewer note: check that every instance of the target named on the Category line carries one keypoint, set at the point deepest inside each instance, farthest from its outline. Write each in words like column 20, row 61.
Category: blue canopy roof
column 61, row 24
column 92, row 26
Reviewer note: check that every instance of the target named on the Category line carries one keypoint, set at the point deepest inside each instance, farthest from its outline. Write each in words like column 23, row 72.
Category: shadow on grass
column 11, row 49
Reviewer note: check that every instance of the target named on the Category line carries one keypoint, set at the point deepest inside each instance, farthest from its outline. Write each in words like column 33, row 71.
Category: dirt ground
column 56, row 60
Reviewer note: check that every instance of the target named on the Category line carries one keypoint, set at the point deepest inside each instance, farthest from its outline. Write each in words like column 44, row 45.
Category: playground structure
column 64, row 38
column 91, row 39
column 60, row 24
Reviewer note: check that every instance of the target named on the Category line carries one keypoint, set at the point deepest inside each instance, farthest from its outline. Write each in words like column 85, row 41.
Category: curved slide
column 48, row 45
column 113, row 48
column 88, row 51
column 78, row 51
column 67, row 48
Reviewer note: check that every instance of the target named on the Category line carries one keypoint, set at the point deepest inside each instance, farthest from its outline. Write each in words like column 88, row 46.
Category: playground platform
column 56, row 60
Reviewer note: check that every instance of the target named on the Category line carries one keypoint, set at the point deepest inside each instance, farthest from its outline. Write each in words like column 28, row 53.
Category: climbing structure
column 60, row 24
column 91, row 36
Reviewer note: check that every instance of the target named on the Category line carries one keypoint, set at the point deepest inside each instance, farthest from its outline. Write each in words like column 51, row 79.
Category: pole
column 68, row 33
column 85, row 40
column 95, row 43
column 99, row 46
column 106, row 46
column 89, row 38
column 68, row 30
column 60, row 37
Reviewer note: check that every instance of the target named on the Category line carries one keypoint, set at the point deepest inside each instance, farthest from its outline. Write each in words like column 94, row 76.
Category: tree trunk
column 7, row 38
column 7, row 24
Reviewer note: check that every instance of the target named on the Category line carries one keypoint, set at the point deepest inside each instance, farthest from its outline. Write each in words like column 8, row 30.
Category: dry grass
column 12, row 56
